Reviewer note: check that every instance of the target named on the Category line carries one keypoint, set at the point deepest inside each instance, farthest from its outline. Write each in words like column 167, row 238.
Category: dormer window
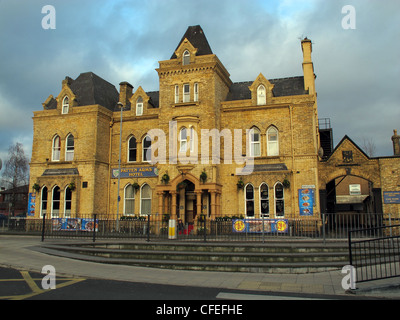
column 261, row 96
column 65, row 105
column 139, row 106
column 186, row 58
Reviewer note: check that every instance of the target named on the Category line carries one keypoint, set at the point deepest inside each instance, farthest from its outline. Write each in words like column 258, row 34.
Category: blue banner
column 135, row 172
column 31, row 204
column 306, row 201
column 74, row 224
column 260, row 226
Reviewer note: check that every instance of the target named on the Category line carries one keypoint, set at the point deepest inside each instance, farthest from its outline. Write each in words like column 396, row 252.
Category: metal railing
column 323, row 227
column 377, row 257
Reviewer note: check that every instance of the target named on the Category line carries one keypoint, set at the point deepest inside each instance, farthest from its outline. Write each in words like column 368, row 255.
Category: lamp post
column 121, row 106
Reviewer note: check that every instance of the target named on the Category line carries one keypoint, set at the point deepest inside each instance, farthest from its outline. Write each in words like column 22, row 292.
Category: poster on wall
column 260, row 226
column 74, row 224
column 306, row 201
column 31, row 204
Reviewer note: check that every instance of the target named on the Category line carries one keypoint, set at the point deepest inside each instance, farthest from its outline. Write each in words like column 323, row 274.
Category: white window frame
column 130, row 148
column 196, row 92
column 186, row 92
column 56, row 150
column 144, row 199
column 42, row 202
column 53, row 202
column 129, row 199
column 65, row 105
column 266, row 215
column 144, row 150
column 249, row 200
column 271, row 144
column 139, row 106
column 176, row 94
column 66, row 201
column 183, row 141
column 186, row 58
column 253, row 143
column 261, row 95
column 69, row 150
column 280, row 199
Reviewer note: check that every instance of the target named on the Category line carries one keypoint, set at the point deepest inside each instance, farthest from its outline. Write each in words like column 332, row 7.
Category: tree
column 16, row 171
column 369, row 147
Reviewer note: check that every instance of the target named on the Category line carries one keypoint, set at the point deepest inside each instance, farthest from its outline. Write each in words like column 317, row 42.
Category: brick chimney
column 396, row 143
column 125, row 93
column 308, row 66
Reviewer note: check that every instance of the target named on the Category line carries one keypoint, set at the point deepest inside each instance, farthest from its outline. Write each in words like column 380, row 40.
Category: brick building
column 202, row 144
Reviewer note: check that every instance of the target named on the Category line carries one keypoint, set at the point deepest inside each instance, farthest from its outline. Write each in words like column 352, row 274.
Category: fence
column 325, row 226
column 378, row 257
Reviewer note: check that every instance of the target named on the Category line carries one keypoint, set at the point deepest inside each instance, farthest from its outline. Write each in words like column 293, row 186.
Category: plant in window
column 203, row 176
column 36, row 187
column 181, row 185
column 135, row 186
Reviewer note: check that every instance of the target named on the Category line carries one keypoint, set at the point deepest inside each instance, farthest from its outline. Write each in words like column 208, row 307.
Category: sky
column 357, row 69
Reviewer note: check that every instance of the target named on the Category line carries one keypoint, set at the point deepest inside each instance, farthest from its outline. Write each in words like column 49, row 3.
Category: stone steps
column 291, row 257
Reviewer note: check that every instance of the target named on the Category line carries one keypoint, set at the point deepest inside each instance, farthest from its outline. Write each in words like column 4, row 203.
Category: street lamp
column 121, row 106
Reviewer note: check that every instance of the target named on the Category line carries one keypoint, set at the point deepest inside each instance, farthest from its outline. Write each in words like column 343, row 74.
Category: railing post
column 94, row 227
column 148, row 228
column 43, row 226
column 205, row 228
column 350, row 253
column 323, row 227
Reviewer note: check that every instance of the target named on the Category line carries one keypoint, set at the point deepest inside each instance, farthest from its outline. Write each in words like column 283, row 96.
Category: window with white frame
column 139, row 106
column 146, row 155
column 56, row 148
column 145, row 198
column 65, row 105
column 249, row 199
column 264, row 200
column 183, row 140
column 70, row 147
column 192, row 139
column 272, row 142
column 255, row 143
column 196, row 92
column 132, row 149
column 186, row 92
column 186, row 58
column 55, row 202
column 279, row 200
column 176, row 94
column 43, row 201
column 129, row 207
column 261, row 95
column 67, row 202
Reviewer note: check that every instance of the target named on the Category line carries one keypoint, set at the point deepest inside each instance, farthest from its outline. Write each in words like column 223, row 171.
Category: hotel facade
column 202, row 144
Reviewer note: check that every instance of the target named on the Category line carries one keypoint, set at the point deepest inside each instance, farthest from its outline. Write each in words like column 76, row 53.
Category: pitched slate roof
column 283, row 87
column 197, row 38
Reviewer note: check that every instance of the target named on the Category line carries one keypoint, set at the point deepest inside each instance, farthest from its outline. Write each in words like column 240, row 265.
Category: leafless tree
column 369, row 147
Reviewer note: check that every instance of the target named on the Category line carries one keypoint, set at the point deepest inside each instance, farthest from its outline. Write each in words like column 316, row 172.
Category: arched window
column 272, row 142
column 186, row 58
column 183, row 140
column 43, row 201
column 70, row 147
column 146, row 149
column 261, row 96
column 264, row 200
column 67, row 202
column 196, row 92
column 139, row 106
column 279, row 200
column 249, row 198
column 255, row 143
column 65, row 105
column 145, row 197
column 55, row 202
column 176, row 94
column 132, row 149
column 56, row 149
column 192, row 139
column 129, row 207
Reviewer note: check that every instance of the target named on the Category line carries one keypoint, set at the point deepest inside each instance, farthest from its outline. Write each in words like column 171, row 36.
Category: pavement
column 18, row 252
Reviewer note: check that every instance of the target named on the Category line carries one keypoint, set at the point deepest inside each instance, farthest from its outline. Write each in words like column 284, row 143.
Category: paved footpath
column 16, row 252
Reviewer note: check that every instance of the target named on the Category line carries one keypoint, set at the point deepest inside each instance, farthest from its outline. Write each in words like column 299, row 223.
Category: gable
column 347, row 152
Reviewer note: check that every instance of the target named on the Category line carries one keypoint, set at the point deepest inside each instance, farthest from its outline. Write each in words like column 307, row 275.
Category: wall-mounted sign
column 306, row 201
column 31, row 204
column 260, row 226
column 137, row 172
column 391, row 197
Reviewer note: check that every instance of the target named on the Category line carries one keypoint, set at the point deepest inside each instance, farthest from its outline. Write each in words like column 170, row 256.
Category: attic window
column 65, row 105
column 186, row 58
column 261, row 96
column 139, row 106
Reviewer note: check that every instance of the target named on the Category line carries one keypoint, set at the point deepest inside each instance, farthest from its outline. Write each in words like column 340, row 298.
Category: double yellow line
column 34, row 287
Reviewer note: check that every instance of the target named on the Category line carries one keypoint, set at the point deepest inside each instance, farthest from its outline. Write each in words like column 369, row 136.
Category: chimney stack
column 308, row 66
column 396, row 143
column 125, row 93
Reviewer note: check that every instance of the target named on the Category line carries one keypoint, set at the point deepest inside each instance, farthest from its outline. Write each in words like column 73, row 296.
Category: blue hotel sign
column 137, row 172
column 390, row 197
